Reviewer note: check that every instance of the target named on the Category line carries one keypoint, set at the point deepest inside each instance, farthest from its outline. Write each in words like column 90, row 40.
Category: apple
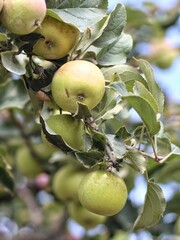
column 78, row 81
column 84, row 217
column 162, row 53
column 65, row 182
column 23, row 16
column 102, row 192
column 1, row 4
column 69, row 128
column 27, row 164
column 58, row 38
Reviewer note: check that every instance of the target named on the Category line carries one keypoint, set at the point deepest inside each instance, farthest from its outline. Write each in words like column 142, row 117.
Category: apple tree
column 70, row 148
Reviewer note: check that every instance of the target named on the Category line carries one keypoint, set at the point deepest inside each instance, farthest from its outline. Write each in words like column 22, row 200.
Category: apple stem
column 112, row 160
column 37, row 23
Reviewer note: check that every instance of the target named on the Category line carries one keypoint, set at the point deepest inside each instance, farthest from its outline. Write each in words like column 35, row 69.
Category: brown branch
column 145, row 154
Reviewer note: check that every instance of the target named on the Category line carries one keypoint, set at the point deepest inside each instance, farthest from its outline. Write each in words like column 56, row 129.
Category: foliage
column 112, row 140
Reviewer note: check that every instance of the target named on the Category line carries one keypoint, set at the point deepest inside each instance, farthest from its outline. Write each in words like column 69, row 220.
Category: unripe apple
column 1, row 4
column 162, row 53
column 65, row 183
column 84, row 217
column 23, row 16
column 27, row 164
column 59, row 38
column 69, row 128
column 102, row 192
column 78, row 81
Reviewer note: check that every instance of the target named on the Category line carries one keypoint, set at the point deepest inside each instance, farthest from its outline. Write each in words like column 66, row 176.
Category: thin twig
column 145, row 154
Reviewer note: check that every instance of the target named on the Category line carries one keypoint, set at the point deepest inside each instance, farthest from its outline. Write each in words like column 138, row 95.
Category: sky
column 168, row 79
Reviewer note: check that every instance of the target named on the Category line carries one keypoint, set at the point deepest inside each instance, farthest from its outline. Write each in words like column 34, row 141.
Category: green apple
column 1, row 4
column 166, row 59
column 23, row 16
column 78, row 81
column 59, row 38
column 102, row 192
column 84, row 217
column 27, row 164
column 66, row 181
column 162, row 53
column 69, row 128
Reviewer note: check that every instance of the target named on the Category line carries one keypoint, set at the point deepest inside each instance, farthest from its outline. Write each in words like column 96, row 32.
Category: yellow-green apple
column 78, row 81
column 23, row 16
column 162, row 53
column 70, row 129
column 28, row 164
column 66, row 181
column 102, row 192
column 84, row 217
column 58, row 38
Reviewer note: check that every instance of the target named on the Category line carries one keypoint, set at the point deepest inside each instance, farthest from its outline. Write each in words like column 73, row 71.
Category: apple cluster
column 92, row 196
column 22, row 17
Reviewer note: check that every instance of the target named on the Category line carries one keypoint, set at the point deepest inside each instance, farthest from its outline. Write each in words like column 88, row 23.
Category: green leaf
column 10, row 62
column 120, row 88
column 90, row 35
column 123, row 133
column 137, row 160
column 141, row 91
column 126, row 74
column 112, row 113
column 174, row 154
column 77, row 4
column 172, row 166
column 82, row 112
column 90, row 158
column 117, row 52
column 145, row 111
column 82, row 18
column 3, row 37
column 99, row 140
column 5, row 176
column 13, row 95
column 164, row 145
column 170, row 170
column 153, row 208
column 152, row 84
column 117, row 145
column 107, row 103
column 116, row 23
